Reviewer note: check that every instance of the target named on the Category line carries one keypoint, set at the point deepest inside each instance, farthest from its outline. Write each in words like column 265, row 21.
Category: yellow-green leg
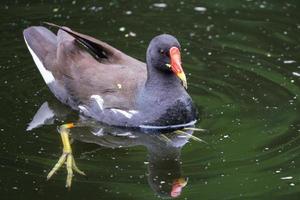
column 67, row 156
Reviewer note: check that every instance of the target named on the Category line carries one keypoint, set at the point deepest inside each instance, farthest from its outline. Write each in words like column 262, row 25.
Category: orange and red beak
column 176, row 65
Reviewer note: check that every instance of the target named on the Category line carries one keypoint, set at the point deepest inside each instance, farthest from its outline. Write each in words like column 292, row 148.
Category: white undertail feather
column 47, row 75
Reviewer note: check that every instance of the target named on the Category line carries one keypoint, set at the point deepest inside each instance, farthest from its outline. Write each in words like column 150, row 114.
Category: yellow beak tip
column 182, row 77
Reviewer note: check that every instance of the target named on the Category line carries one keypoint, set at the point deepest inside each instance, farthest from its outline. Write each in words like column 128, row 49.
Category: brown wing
column 106, row 71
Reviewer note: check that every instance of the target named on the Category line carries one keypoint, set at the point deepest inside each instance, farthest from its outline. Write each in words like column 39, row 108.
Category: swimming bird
column 109, row 86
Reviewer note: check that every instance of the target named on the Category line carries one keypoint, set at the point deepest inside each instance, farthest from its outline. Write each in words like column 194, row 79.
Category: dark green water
column 242, row 62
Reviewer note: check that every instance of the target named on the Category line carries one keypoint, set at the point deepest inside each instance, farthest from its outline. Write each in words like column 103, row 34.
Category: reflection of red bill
column 177, row 186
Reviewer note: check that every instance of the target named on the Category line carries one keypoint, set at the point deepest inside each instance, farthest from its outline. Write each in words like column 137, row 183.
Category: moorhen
column 110, row 86
column 113, row 88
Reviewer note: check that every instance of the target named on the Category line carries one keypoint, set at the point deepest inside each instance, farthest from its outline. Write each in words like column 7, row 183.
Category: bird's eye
column 164, row 53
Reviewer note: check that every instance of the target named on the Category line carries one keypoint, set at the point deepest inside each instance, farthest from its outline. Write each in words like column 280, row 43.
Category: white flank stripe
column 99, row 100
column 47, row 75
column 133, row 111
column 125, row 113
column 82, row 109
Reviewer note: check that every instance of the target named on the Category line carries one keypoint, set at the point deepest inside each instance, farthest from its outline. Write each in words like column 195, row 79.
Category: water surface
column 242, row 62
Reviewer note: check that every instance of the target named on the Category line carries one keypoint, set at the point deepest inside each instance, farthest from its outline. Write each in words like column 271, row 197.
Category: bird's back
column 74, row 73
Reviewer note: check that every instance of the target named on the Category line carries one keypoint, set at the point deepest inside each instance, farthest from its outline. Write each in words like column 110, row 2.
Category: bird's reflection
column 164, row 164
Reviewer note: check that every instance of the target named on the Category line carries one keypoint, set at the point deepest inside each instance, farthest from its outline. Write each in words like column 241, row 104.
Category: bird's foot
column 67, row 156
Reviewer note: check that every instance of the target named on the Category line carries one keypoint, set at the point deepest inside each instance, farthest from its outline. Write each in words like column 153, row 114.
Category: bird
column 103, row 83
column 109, row 86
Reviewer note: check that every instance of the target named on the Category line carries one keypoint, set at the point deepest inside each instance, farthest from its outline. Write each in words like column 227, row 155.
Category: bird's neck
column 160, row 88
column 163, row 100
column 158, row 80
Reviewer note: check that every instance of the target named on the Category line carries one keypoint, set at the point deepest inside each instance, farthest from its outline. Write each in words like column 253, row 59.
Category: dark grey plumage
column 108, row 85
